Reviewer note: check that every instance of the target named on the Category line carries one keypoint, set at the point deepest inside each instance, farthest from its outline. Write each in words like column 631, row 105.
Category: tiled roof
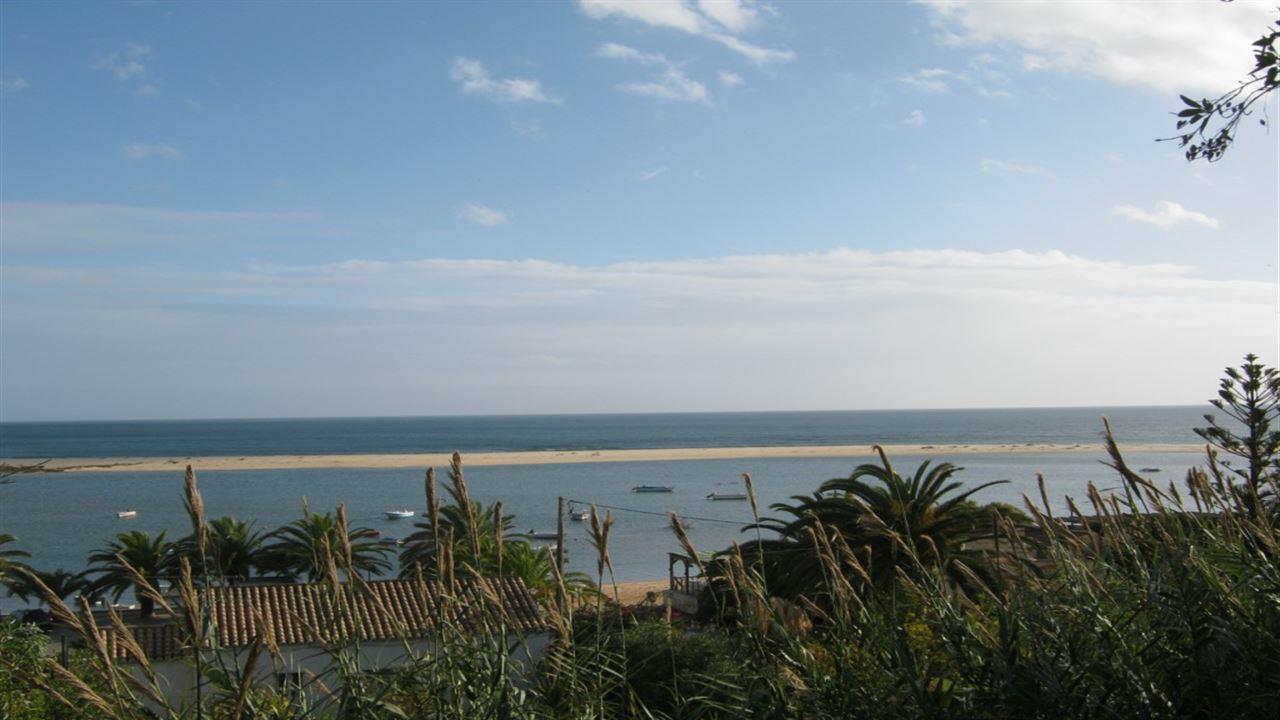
column 304, row 614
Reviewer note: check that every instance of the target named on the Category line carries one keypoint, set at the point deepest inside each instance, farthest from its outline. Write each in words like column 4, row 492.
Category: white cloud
column 733, row 15
column 1189, row 47
column 627, row 336
column 931, row 80
column 12, row 84
column 127, row 64
column 718, row 20
column 648, row 175
column 980, row 76
column 731, row 79
column 670, row 83
column 1006, row 167
column 474, row 79
column 143, row 151
column 915, row 118
column 484, row 215
column 1166, row 216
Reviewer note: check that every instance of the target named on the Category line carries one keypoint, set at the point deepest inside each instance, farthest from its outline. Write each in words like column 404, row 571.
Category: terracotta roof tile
column 295, row 614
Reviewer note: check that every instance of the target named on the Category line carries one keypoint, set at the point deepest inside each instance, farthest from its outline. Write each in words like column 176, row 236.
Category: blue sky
column 225, row 210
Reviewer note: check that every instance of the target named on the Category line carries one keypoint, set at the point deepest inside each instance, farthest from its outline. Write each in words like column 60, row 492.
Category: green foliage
column 234, row 552
column 1206, row 128
column 10, row 557
column 21, row 654
column 298, row 549
column 62, row 583
column 152, row 558
column 1250, row 398
column 891, row 524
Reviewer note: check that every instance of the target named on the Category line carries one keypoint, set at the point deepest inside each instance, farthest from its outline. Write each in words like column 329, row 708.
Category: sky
column 334, row 209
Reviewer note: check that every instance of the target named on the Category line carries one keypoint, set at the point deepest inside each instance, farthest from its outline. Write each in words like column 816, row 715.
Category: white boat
column 727, row 496
column 541, row 535
column 126, row 514
column 580, row 515
column 652, row 489
column 398, row 514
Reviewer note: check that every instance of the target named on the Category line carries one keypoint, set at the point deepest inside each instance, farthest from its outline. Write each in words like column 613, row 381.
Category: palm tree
column 151, row 558
column 299, row 548
column 420, row 549
column 9, row 558
column 891, row 524
column 233, row 552
column 63, row 584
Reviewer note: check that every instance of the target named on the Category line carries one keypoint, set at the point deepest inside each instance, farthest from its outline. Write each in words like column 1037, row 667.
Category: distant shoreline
column 548, row 457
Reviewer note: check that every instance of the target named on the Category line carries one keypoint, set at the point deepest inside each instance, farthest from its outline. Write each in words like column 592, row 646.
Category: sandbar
column 547, row 457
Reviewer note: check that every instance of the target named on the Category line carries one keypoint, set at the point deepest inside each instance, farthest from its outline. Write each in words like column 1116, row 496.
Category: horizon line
column 287, row 418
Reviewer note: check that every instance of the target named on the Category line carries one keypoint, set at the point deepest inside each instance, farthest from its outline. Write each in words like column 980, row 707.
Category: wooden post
column 560, row 534
column 561, row 600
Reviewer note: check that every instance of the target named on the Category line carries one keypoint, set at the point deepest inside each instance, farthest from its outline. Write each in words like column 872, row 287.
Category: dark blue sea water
column 192, row 438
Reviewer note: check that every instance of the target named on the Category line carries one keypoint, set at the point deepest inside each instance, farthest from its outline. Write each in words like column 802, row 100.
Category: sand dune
column 543, row 457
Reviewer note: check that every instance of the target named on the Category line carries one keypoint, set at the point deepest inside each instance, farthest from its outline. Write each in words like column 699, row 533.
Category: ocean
column 61, row 517
column 325, row 436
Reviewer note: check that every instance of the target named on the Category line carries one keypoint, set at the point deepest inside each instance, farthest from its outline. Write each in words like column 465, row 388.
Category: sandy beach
column 544, row 457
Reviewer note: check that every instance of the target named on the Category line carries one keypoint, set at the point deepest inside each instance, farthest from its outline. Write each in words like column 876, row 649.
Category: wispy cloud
column 473, row 78
column 130, row 66
column 648, row 175
column 12, row 84
column 720, row 21
column 1007, row 167
column 670, row 82
column 59, row 227
column 980, row 77
column 931, row 80
column 144, row 151
column 915, row 118
column 484, row 215
column 1169, row 47
column 1166, row 216
column 674, row 335
column 730, row 79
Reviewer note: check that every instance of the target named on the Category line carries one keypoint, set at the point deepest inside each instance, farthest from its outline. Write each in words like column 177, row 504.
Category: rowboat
column 126, row 514
column 727, row 496
column 398, row 514
column 652, row 489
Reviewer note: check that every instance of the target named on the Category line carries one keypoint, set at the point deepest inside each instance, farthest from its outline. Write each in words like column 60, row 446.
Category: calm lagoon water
column 61, row 518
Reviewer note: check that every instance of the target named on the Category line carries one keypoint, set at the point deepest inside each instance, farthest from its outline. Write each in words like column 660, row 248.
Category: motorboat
column 652, row 489
column 727, row 496
column 542, row 535
column 126, row 514
column 398, row 514
column 580, row 515
column 1150, row 469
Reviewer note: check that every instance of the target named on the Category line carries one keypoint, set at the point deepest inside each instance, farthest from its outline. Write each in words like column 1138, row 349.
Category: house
column 385, row 622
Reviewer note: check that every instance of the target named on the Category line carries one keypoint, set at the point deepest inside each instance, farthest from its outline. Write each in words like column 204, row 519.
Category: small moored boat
column 727, row 496
column 1150, row 469
column 652, row 489
column 541, row 535
column 126, row 514
column 398, row 514
column 580, row 515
